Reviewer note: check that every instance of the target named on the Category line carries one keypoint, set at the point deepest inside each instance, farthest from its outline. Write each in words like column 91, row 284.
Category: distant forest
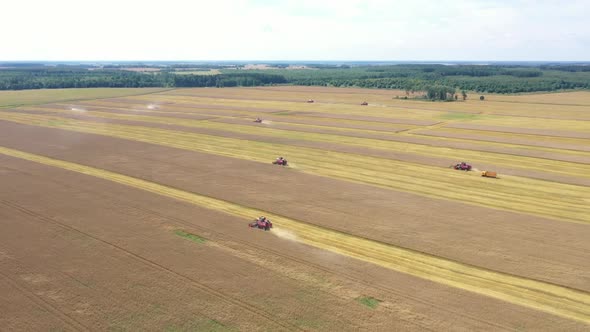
column 480, row 78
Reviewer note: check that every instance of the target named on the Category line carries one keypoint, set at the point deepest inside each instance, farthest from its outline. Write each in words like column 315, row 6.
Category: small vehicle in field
column 258, row 120
column 489, row 174
column 462, row 166
column 364, row 103
column 310, row 101
column 261, row 223
column 280, row 161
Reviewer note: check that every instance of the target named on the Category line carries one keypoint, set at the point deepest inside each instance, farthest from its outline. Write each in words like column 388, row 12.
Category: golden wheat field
column 129, row 210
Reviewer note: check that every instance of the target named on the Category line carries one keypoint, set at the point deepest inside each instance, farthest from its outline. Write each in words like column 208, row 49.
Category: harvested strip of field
column 510, row 138
column 558, row 201
column 541, row 296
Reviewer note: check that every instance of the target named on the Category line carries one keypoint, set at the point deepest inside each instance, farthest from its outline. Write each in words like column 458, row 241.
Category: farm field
column 129, row 211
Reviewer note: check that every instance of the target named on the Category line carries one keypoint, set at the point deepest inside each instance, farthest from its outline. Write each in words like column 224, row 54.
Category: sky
column 339, row 30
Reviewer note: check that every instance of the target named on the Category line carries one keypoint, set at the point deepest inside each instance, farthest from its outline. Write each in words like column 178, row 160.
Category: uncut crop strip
column 532, row 122
column 554, row 299
column 577, row 144
column 522, row 162
column 549, row 199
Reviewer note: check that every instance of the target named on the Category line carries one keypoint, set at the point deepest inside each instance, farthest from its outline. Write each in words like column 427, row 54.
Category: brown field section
column 464, row 233
column 84, row 251
column 160, row 282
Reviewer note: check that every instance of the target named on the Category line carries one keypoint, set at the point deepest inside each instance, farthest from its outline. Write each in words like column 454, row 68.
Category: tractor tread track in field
column 46, row 305
column 227, row 298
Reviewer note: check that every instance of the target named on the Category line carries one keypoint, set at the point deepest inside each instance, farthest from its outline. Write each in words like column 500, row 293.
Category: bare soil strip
column 553, row 299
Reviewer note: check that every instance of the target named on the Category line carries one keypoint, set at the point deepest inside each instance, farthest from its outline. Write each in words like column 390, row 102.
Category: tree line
column 485, row 79
column 56, row 79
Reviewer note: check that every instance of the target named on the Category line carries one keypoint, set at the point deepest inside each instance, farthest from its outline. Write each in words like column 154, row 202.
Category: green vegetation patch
column 55, row 123
column 460, row 116
column 370, row 302
column 190, row 236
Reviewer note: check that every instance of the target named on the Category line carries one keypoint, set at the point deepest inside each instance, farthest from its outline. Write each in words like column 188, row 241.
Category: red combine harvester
column 462, row 166
column 261, row 223
column 280, row 161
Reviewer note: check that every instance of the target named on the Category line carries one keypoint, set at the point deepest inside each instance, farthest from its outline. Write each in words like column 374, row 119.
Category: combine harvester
column 261, row 223
column 258, row 120
column 462, row 166
column 310, row 101
column 364, row 103
column 280, row 161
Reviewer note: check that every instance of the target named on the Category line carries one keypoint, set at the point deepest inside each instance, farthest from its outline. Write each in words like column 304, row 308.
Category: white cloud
column 295, row 29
